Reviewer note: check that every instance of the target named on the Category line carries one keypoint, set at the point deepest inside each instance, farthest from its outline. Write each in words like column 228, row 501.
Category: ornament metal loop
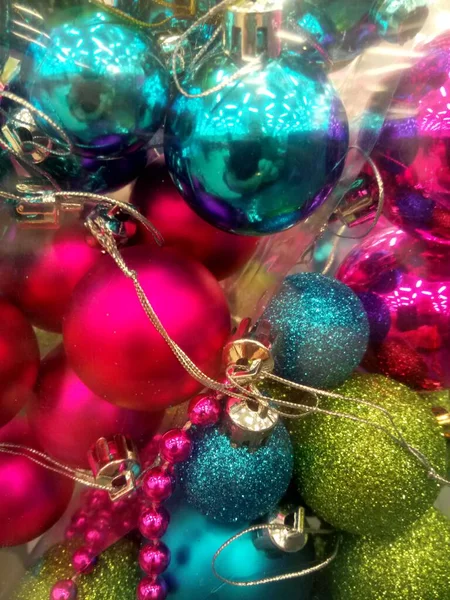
column 248, row 424
column 114, row 462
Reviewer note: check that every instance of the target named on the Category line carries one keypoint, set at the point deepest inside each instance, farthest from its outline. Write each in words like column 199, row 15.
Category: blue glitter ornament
column 103, row 82
column 193, row 540
column 321, row 330
column 262, row 153
column 236, row 485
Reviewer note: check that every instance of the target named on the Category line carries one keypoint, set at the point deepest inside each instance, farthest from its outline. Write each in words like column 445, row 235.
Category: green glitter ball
column 115, row 576
column 414, row 566
column 355, row 476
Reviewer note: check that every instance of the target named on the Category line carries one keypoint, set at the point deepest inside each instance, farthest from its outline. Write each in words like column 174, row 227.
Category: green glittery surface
column 355, row 476
column 232, row 484
column 415, row 566
column 321, row 330
column 114, row 578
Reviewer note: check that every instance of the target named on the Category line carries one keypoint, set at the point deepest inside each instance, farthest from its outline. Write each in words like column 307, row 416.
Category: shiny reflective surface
column 405, row 289
column 261, row 154
column 102, row 81
column 4, row 32
column 413, row 152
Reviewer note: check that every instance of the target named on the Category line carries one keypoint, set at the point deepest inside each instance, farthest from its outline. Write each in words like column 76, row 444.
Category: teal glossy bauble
column 193, row 540
column 262, row 153
column 321, row 330
column 233, row 484
column 102, row 81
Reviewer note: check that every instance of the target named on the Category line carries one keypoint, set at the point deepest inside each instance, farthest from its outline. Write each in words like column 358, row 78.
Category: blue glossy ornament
column 193, row 540
column 232, row 484
column 321, row 330
column 102, row 81
column 262, row 153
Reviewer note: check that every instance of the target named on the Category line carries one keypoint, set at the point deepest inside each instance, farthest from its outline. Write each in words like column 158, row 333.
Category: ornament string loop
column 276, row 578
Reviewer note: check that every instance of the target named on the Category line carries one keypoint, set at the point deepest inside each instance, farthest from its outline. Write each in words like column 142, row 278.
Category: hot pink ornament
column 32, row 498
column 158, row 484
column 46, row 267
column 84, row 560
column 154, row 558
column 68, row 418
column 153, row 521
column 204, row 410
column 158, row 199
column 404, row 287
column 150, row 588
column 176, row 446
column 115, row 349
column 66, row 589
column 19, row 361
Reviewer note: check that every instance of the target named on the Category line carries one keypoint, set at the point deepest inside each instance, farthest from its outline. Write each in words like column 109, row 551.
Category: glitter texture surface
column 115, row 577
column 355, row 476
column 232, row 484
column 415, row 566
column 321, row 330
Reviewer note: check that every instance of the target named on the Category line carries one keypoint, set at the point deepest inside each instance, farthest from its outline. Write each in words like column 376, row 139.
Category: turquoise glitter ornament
column 102, row 81
column 235, row 484
column 193, row 540
column 321, row 330
column 264, row 149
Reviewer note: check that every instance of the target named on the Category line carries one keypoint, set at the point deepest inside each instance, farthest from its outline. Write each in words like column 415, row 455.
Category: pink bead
column 151, row 589
column 154, row 558
column 153, row 522
column 176, row 446
column 102, row 524
column 79, row 521
column 98, row 500
column 66, row 589
column 84, row 560
column 70, row 534
column 158, row 484
column 204, row 410
column 95, row 539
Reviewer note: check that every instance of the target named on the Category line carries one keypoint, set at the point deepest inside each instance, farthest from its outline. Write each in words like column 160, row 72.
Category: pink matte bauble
column 46, row 266
column 68, row 418
column 158, row 199
column 115, row 349
column 32, row 498
column 19, row 361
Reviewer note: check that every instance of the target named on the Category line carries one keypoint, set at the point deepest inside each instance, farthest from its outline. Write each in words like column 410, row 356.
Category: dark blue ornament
column 193, row 540
column 378, row 314
column 103, row 82
column 262, row 153
column 321, row 330
column 236, row 485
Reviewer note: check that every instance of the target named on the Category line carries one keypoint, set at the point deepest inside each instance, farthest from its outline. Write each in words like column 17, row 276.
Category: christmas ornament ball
column 321, row 330
column 101, row 80
column 33, row 498
column 233, row 484
column 116, row 351
column 413, row 148
column 262, row 153
column 159, row 200
column 116, row 574
column 67, row 418
column 408, row 283
column 19, row 360
column 411, row 567
column 355, row 476
column 194, row 539
column 45, row 267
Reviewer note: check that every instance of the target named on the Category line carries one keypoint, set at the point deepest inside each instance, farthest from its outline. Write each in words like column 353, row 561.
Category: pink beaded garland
column 153, row 522
column 204, row 410
column 176, row 446
column 151, row 589
column 154, row 558
column 158, row 484
column 95, row 538
column 65, row 589
column 84, row 560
